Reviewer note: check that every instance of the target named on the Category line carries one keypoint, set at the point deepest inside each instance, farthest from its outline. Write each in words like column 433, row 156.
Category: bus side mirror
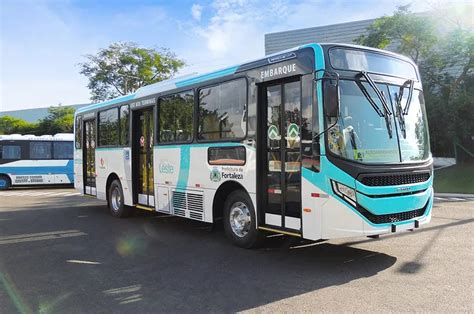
column 331, row 98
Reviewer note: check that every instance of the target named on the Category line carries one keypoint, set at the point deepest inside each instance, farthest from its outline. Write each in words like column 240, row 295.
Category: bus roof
column 178, row 82
column 190, row 79
column 31, row 137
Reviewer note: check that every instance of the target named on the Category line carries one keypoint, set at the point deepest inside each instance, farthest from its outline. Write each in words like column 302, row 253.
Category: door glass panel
column 274, row 192
column 89, row 152
column 150, row 127
column 292, row 101
column 142, row 178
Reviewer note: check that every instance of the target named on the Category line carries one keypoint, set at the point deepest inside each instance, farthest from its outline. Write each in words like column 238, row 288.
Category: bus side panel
column 78, row 177
column 37, row 172
column 185, row 169
column 110, row 161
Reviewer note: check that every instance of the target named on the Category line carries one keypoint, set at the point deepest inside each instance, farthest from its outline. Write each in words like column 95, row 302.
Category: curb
column 454, row 195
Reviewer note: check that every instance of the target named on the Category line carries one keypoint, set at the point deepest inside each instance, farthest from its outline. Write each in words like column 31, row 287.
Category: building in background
column 343, row 33
column 34, row 114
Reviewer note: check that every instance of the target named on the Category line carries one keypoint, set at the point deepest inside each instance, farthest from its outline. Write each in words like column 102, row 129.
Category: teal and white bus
column 321, row 141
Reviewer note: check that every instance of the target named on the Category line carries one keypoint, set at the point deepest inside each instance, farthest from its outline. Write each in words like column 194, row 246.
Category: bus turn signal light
column 307, row 210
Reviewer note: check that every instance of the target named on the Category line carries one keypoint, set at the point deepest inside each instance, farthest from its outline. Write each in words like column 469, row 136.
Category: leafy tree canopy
column 442, row 44
column 122, row 68
column 59, row 120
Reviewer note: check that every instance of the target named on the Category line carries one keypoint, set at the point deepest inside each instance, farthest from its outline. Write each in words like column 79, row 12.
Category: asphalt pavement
column 61, row 252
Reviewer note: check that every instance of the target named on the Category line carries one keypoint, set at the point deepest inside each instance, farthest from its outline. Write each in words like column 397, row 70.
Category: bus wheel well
column 113, row 176
column 219, row 198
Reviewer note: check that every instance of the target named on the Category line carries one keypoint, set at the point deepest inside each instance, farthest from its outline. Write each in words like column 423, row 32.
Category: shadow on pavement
column 153, row 263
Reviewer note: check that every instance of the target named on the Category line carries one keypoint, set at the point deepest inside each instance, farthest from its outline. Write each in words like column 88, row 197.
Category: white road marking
column 38, row 194
column 82, row 262
column 19, row 238
column 456, row 199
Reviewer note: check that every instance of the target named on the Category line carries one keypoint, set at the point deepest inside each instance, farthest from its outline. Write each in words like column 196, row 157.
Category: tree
column 122, row 68
column 445, row 59
column 59, row 120
column 12, row 125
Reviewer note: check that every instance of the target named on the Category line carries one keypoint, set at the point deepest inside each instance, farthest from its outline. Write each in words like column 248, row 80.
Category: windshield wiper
column 410, row 94
column 400, row 115
column 386, row 110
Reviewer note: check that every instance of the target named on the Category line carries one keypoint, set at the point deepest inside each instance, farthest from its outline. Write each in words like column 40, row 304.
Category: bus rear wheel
column 117, row 206
column 240, row 221
column 5, row 182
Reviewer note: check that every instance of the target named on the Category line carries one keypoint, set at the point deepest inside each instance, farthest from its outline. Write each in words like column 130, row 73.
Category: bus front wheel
column 5, row 182
column 117, row 206
column 240, row 221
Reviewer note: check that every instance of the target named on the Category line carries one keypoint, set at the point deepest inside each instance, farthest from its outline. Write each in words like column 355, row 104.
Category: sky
column 43, row 41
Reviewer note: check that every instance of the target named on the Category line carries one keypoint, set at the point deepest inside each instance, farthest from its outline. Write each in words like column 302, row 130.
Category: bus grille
column 188, row 204
column 394, row 179
column 390, row 218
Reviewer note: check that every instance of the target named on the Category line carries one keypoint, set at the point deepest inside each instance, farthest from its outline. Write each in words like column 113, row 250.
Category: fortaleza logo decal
column 215, row 175
column 278, row 70
column 226, row 173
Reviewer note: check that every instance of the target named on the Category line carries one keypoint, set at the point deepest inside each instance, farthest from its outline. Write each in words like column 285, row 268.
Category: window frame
column 157, row 124
column 98, row 128
column 197, row 102
column 15, row 143
column 78, row 136
column 209, row 149
column 54, row 156
column 30, row 157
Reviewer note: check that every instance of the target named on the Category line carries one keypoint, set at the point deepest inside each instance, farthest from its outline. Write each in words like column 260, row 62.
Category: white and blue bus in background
column 321, row 141
column 36, row 160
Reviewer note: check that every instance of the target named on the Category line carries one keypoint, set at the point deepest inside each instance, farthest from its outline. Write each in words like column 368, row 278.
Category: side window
column 176, row 117
column 222, row 111
column 124, row 125
column 108, row 127
column 78, row 132
column 232, row 156
column 11, row 152
column 62, row 150
column 40, row 150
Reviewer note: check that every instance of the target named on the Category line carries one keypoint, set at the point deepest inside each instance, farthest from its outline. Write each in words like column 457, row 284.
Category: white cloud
column 196, row 11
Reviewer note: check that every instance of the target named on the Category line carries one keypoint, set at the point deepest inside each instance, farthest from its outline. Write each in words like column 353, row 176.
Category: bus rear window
column 358, row 60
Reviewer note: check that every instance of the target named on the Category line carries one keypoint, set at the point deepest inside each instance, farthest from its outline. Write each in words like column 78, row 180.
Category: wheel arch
column 112, row 176
column 6, row 175
column 220, row 196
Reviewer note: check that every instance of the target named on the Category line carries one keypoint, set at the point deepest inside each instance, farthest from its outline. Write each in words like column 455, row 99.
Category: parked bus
column 322, row 141
column 36, row 160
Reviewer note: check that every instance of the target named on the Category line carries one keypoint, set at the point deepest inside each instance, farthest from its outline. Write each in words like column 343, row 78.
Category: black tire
column 5, row 182
column 252, row 237
column 117, row 206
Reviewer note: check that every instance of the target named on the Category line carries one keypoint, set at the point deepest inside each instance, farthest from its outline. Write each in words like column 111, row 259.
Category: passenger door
column 280, row 144
column 143, row 129
column 89, row 157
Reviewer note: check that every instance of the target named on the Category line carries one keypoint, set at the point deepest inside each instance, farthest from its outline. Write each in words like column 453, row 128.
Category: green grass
column 455, row 179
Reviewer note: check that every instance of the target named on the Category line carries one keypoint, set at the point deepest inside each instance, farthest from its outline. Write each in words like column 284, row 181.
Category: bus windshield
column 362, row 135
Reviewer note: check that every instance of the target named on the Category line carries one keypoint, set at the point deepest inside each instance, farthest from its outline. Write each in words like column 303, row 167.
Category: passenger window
column 222, row 111
column 108, row 127
column 226, row 156
column 11, row 152
column 176, row 117
column 40, row 150
column 63, row 150
column 124, row 125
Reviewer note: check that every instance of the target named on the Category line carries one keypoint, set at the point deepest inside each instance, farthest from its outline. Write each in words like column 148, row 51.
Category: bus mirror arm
column 331, row 98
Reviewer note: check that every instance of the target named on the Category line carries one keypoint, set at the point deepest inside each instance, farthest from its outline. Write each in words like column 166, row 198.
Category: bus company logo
column 166, row 167
column 404, row 189
column 102, row 163
column 278, row 70
column 215, row 175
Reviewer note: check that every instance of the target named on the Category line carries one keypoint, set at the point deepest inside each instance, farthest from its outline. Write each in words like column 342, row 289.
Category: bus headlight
column 345, row 192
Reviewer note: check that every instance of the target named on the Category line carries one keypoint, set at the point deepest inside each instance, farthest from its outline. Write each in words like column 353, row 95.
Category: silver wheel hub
column 240, row 219
column 116, row 199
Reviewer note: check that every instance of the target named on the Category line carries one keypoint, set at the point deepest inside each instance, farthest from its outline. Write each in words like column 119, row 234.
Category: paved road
column 60, row 252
